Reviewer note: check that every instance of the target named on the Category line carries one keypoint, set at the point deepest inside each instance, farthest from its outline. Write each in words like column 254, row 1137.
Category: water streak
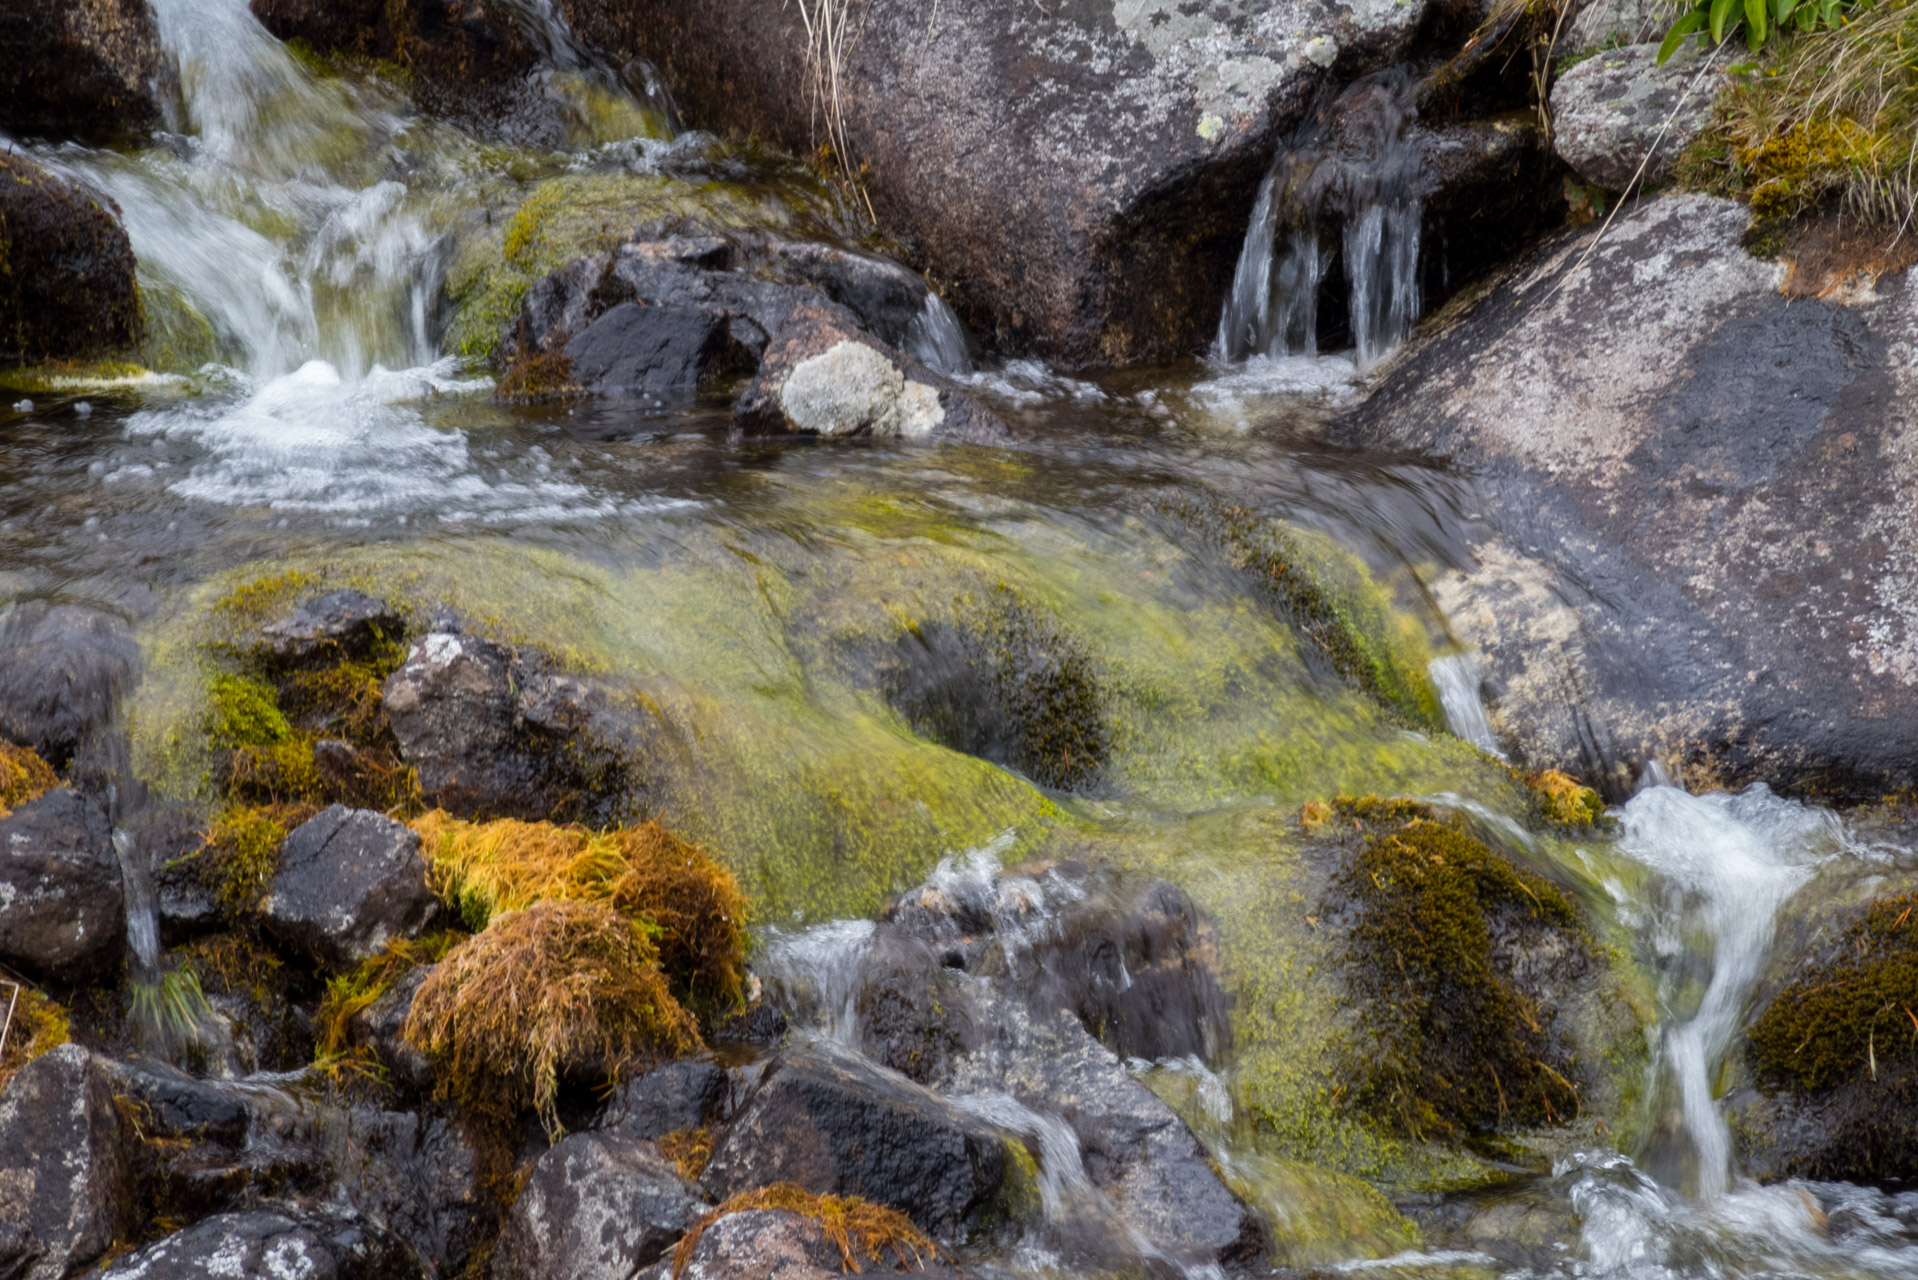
column 1456, row 677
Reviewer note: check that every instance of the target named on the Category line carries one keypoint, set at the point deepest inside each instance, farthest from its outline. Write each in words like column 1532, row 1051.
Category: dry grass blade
column 556, row 988
column 854, row 1226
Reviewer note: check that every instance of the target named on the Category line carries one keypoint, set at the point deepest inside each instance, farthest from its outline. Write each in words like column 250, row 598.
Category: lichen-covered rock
column 1618, row 107
column 90, row 69
column 341, row 625
column 61, row 894
column 1694, row 553
column 1083, row 174
column 1617, row 22
column 820, row 376
column 63, row 1172
column 67, row 289
column 833, row 1124
column 63, row 669
column 350, row 881
column 597, row 1207
column 272, row 1243
column 772, row 1244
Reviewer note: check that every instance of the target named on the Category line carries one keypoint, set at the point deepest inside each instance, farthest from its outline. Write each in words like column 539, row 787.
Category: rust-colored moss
column 24, row 777
column 858, row 1228
column 689, row 1150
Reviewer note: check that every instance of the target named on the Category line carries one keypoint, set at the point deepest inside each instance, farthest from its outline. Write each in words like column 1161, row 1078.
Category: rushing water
column 310, row 221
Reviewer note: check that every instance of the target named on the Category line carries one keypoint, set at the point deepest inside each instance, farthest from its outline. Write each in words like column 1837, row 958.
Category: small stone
column 340, row 624
column 853, row 389
column 350, row 881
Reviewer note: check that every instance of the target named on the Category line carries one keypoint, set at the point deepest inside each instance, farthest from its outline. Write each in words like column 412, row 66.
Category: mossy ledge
column 1450, row 1046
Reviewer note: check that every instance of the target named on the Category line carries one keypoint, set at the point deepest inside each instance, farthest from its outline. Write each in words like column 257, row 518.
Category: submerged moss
column 1851, row 1015
column 1452, row 1046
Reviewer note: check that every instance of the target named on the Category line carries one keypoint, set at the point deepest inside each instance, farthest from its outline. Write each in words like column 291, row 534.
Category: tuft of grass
column 1456, row 1049
column 24, row 777
column 37, row 1025
column 355, row 991
column 857, row 1228
column 646, row 872
column 1828, row 123
column 1852, row 1015
column 555, row 989
column 170, row 1012
column 689, row 1150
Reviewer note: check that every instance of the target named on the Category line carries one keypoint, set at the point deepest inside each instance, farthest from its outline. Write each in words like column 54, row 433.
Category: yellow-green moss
column 244, row 712
column 351, row 993
column 24, row 776
column 39, row 1024
column 1561, row 800
column 240, row 855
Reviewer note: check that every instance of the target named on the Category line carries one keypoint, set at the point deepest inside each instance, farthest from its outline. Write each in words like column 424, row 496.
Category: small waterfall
column 937, row 340
column 1355, row 166
column 815, row 974
column 1728, row 863
column 1456, row 677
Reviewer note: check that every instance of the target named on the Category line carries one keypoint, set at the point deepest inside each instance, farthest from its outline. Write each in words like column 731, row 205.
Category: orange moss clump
column 646, row 872
column 856, row 1227
column 689, row 1150
column 544, row 992
column 24, row 777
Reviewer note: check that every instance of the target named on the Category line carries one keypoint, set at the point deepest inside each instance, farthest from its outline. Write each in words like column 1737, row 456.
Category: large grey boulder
column 1697, row 536
column 770, row 1244
column 350, row 881
column 1617, row 108
column 61, row 895
column 1082, row 173
column 63, row 1172
column 597, row 1207
column 91, row 69
column 271, row 1243
column 832, row 1123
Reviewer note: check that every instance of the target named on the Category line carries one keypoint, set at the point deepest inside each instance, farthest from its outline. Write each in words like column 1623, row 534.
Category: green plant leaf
column 1757, row 23
column 1723, row 14
column 1676, row 36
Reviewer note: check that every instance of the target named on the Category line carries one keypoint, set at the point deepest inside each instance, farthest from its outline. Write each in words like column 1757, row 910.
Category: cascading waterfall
column 1357, row 166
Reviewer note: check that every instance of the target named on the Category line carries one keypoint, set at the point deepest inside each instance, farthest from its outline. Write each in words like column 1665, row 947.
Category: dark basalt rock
column 421, row 1179
column 760, row 1023
column 914, row 1015
column 381, row 1025
column 68, row 291
column 350, row 881
column 597, row 1207
column 833, row 1124
column 1688, row 552
column 338, row 626
column 89, row 69
column 175, row 1105
column 63, row 669
column 64, row 1179
column 61, row 893
column 494, row 734
column 681, row 1095
column 663, row 351
column 271, row 1242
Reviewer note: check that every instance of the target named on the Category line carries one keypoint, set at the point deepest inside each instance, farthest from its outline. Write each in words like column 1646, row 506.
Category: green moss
column 243, row 712
column 1853, row 1014
column 239, row 858
column 39, row 1024
column 1452, row 1046
column 1558, row 799
column 178, row 338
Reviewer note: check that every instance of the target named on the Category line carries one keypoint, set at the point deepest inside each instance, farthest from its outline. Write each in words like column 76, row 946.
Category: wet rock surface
column 350, row 881
column 63, row 669
column 64, row 1179
column 1083, row 174
column 1618, row 116
column 831, row 1123
column 90, row 69
column 495, row 733
column 1687, row 553
column 598, row 1206
column 818, row 327
column 679, row 1096
column 770, row 1244
column 61, row 895
column 340, row 625
column 69, row 290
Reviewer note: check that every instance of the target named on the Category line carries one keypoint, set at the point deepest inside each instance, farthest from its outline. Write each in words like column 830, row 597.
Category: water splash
column 1354, row 166
column 937, row 339
column 1456, row 677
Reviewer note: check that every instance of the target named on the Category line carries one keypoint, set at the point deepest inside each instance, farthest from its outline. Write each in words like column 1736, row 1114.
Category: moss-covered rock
column 90, row 69
column 66, row 268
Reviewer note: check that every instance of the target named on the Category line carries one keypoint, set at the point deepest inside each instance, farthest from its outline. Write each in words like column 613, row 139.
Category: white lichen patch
column 853, row 389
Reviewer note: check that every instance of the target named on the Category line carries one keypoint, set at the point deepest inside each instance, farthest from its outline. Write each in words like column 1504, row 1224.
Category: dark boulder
column 496, row 734
column 1155, row 1172
column 20, row 1252
column 338, row 626
column 381, row 1026
column 63, row 1173
column 597, row 1207
column 421, row 1179
column 272, row 1243
column 68, row 291
column 833, row 1124
column 771, row 1244
column 89, row 69
column 1688, row 551
column 661, row 351
column 913, row 1013
column 63, row 669
column 175, row 1105
column 61, row 894
column 680, row 1095
column 350, row 881
column 1083, row 175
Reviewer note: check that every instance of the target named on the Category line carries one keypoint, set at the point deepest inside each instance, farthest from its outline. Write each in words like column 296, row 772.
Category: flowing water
column 777, row 602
